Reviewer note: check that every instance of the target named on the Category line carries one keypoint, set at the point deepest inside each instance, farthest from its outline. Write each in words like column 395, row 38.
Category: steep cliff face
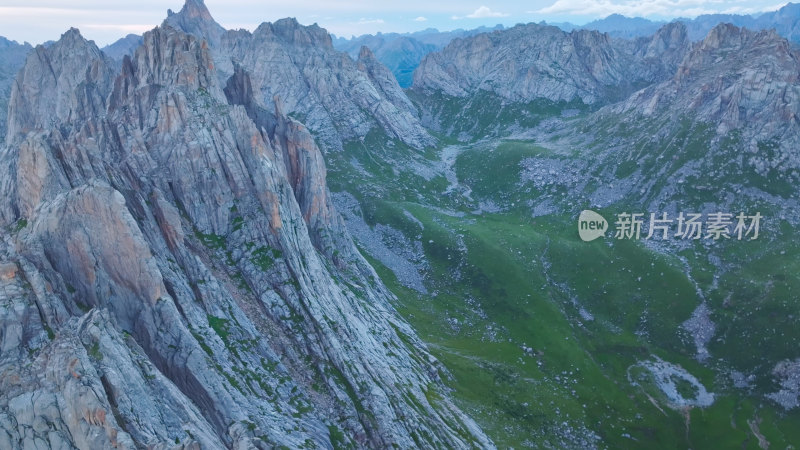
column 723, row 130
column 194, row 18
column 534, row 61
column 741, row 87
column 401, row 54
column 172, row 271
column 506, row 81
column 737, row 78
column 64, row 84
column 332, row 94
column 12, row 57
column 662, row 52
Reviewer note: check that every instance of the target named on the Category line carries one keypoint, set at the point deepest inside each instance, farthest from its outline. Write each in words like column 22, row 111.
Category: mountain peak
column 728, row 36
column 194, row 9
column 194, row 18
column 365, row 53
column 723, row 31
column 291, row 31
column 72, row 36
column 65, row 82
column 735, row 78
column 670, row 35
column 158, row 60
column 73, row 42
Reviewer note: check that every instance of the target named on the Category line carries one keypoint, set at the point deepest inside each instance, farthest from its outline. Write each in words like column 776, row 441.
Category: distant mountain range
column 541, row 61
column 785, row 21
column 124, row 46
column 402, row 53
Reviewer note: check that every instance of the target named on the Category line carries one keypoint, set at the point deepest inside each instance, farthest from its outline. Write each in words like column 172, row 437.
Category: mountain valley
column 229, row 239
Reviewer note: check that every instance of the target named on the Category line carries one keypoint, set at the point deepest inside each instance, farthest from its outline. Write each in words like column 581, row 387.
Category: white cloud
column 485, row 12
column 364, row 21
column 482, row 12
column 641, row 8
column 751, row 9
column 421, row 19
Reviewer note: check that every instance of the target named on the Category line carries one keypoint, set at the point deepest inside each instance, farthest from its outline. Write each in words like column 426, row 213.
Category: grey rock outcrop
column 402, row 53
column 530, row 62
column 12, row 57
column 173, row 272
column 194, row 18
column 735, row 78
column 336, row 97
column 60, row 85
column 721, row 132
column 662, row 52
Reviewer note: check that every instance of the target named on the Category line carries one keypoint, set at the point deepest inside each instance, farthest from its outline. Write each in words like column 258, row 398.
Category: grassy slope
column 522, row 281
column 486, row 114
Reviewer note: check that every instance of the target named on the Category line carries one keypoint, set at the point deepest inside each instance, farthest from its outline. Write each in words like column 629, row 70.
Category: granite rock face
column 530, row 62
column 12, row 57
column 734, row 77
column 173, row 273
column 60, row 85
column 726, row 120
column 194, row 18
column 402, row 53
column 339, row 99
column 662, row 52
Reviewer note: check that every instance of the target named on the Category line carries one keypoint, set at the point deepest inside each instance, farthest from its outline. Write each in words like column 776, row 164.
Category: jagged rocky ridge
column 402, row 53
column 339, row 99
column 735, row 78
column 785, row 20
column 12, row 57
column 738, row 91
column 721, row 132
column 172, row 272
column 533, row 61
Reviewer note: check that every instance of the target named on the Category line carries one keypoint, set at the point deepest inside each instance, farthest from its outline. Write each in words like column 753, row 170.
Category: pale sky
column 105, row 21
